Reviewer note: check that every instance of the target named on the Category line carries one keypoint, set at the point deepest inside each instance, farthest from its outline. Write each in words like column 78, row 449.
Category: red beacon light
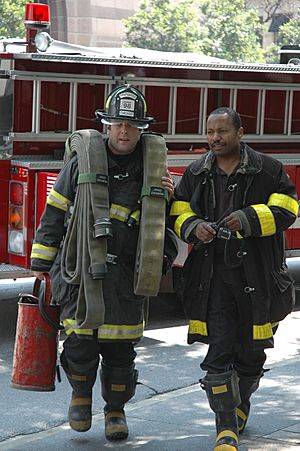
column 37, row 16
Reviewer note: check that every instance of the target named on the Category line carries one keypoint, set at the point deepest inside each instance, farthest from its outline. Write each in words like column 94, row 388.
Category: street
column 169, row 410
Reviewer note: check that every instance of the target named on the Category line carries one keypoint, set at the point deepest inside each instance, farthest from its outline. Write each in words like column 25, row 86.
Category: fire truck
column 48, row 89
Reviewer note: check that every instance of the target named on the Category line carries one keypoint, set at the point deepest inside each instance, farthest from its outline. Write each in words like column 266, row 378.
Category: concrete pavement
column 181, row 419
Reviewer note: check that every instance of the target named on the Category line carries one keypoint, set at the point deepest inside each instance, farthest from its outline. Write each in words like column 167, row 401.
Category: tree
column 163, row 25
column 272, row 11
column 272, row 54
column 289, row 33
column 230, row 31
column 12, row 18
column 271, row 8
column 224, row 29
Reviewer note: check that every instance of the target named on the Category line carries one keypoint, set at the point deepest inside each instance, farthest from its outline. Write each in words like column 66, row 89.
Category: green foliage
column 219, row 28
column 289, row 33
column 272, row 54
column 231, row 31
column 12, row 18
column 163, row 25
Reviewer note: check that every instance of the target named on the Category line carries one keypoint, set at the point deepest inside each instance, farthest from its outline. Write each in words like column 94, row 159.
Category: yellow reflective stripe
column 226, row 433
column 180, row 220
column 135, row 215
column 110, row 331
column 118, row 212
column 241, row 414
column 43, row 252
column 68, row 325
column 58, row 200
column 239, row 236
column 266, row 219
column 284, row 201
column 262, row 332
column 197, row 327
column 219, row 389
column 123, row 213
column 179, row 206
column 107, row 331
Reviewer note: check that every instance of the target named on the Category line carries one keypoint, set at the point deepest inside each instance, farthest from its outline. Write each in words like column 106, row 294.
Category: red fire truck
column 46, row 94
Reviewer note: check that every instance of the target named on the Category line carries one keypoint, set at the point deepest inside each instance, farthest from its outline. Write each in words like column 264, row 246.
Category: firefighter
column 233, row 205
column 125, row 117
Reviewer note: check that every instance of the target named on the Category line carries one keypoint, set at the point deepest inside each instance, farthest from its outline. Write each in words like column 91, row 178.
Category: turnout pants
column 229, row 322
column 82, row 351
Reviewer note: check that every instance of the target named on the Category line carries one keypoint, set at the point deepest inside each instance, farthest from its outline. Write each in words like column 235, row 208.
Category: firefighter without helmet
column 125, row 103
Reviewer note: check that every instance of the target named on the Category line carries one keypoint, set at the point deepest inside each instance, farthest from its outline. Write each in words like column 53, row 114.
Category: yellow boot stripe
column 225, row 447
column 241, row 414
column 227, row 433
column 114, row 415
column 81, row 402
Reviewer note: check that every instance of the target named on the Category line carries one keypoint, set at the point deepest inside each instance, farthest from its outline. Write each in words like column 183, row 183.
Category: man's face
column 222, row 136
column 123, row 138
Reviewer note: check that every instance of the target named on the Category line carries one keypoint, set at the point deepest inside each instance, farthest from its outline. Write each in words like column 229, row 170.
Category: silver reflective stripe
column 107, row 331
column 43, row 252
column 119, row 212
column 58, row 200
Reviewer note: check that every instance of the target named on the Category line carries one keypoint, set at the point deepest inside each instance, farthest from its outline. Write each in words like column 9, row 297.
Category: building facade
column 94, row 23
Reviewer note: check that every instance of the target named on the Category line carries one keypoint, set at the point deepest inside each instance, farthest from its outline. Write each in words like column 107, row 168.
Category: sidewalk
column 181, row 420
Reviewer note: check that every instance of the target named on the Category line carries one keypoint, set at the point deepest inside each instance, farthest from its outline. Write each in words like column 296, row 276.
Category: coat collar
column 251, row 162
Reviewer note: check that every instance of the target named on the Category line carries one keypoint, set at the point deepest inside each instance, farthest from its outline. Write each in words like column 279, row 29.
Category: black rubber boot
column 118, row 386
column 82, row 378
column 223, row 396
column 247, row 386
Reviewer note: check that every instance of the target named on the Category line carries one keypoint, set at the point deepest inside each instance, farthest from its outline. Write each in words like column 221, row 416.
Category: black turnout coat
column 266, row 202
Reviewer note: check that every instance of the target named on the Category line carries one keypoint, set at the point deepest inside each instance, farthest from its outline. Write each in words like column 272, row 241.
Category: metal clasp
column 112, row 259
column 232, row 187
column 121, row 176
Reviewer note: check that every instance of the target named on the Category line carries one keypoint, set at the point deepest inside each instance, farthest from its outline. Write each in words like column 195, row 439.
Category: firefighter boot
column 247, row 386
column 82, row 378
column 223, row 396
column 118, row 386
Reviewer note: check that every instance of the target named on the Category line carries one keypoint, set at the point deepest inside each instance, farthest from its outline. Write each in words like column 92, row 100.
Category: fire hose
column 84, row 253
column 150, row 251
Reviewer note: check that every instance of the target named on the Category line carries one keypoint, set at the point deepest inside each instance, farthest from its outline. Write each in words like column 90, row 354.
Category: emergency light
column 16, row 231
column 16, row 193
column 37, row 16
column 43, row 41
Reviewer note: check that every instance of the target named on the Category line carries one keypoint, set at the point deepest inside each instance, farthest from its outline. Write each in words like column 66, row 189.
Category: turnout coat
column 266, row 202
column 123, row 309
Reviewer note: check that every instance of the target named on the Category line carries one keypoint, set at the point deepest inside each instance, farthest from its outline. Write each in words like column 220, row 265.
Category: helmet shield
column 125, row 103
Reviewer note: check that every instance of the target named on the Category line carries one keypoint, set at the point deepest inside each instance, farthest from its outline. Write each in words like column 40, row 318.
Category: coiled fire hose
column 84, row 253
column 150, row 251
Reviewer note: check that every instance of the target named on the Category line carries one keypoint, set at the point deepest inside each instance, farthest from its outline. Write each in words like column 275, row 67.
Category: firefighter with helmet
column 125, row 117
